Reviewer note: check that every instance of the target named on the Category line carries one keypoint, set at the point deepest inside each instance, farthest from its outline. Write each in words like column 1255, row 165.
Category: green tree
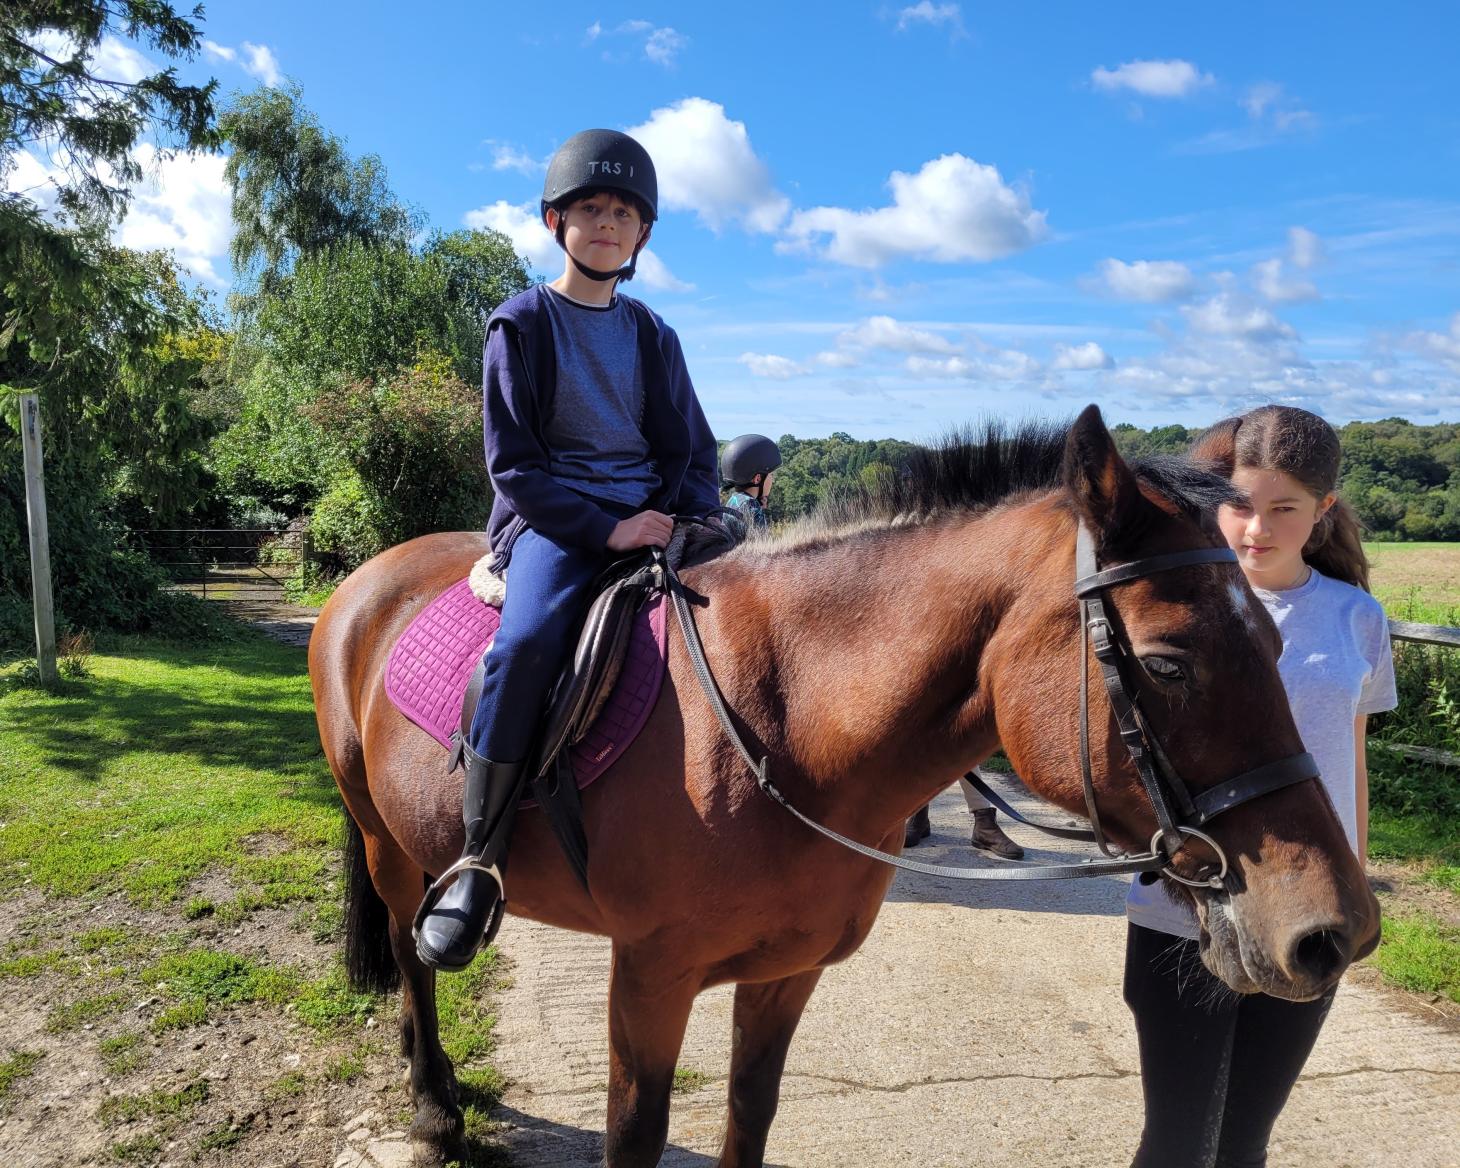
column 296, row 192
column 53, row 97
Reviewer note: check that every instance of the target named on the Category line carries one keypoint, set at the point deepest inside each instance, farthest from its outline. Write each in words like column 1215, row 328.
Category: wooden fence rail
column 1422, row 635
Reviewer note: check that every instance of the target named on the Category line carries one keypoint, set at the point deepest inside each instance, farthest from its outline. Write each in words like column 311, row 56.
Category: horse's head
column 1197, row 654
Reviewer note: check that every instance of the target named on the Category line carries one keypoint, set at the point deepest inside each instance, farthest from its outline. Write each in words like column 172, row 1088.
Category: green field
column 1417, row 581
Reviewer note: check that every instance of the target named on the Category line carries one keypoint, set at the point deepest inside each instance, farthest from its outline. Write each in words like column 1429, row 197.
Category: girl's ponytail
column 1336, row 546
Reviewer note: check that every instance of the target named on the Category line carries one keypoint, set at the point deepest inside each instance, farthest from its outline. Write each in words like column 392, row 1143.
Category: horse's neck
column 871, row 646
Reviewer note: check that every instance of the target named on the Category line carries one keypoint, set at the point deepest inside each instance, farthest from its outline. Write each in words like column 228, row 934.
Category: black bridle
column 1178, row 813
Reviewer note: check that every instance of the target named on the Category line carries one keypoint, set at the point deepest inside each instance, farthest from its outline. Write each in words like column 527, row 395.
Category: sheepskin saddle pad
column 433, row 662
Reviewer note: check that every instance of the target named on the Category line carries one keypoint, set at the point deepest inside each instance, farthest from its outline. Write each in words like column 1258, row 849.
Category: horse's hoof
column 438, row 1136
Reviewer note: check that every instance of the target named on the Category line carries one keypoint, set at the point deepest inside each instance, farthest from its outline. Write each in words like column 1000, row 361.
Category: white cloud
column 661, row 44
column 960, row 367
column 219, row 52
column 1272, row 116
column 519, row 223
column 1305, row 249
column 1267, row 102
column 954, row 210
column 110, row 59
column 1271, row 285
column 117, row 61
column 1077, row 357
column 882, row 332
column 1173, row 78
column 706, row 164
column 1227, row 314
column 934, row 15
column 184, row 205
column 260, row 62
column 1439, row 346
column 995, row 365
column 1148, row 281
column 37, row 180
column 652, row 272
column 835, row 359
column 771, row 366
column 506, row 156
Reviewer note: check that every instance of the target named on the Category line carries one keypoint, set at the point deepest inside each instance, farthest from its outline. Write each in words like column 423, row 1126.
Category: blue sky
column 888, row 219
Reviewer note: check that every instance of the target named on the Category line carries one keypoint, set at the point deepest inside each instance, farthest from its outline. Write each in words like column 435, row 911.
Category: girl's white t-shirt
column 1336, row 664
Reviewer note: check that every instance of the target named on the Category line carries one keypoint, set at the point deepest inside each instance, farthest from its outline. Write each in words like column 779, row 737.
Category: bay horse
column 872, row 655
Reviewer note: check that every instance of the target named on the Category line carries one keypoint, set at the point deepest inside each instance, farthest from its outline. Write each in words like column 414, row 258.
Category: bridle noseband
column 1179, row 814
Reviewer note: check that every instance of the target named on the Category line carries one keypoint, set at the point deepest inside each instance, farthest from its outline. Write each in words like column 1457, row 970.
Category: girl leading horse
column 961, row 633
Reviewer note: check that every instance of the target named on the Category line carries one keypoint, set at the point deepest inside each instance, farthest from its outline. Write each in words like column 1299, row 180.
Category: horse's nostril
column 1320, row 954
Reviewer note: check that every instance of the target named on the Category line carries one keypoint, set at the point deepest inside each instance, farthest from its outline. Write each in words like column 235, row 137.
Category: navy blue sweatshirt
column 520, row 375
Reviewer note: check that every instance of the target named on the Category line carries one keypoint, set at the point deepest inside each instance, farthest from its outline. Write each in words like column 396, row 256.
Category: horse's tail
column 369, row 959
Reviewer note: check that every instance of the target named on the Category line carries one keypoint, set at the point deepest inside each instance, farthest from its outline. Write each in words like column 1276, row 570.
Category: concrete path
column 978, row 1026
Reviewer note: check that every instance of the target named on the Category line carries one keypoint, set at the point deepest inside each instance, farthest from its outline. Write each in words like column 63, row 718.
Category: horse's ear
column 1103, row 488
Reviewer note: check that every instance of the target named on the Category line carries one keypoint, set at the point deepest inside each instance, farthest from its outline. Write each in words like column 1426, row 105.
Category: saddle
column 578, row 697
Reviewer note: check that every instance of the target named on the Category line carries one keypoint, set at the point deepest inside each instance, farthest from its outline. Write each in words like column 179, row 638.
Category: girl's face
column 1268, row 536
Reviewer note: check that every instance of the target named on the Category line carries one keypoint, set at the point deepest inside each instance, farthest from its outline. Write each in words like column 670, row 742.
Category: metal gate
column 226, row 563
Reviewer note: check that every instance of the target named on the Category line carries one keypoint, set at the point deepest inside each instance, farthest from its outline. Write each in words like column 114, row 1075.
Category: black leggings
column 1216, row 1067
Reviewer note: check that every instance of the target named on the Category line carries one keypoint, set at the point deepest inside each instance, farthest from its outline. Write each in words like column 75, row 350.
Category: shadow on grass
column 243, row 704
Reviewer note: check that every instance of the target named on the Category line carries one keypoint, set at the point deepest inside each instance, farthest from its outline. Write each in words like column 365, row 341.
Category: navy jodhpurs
column 548, row 592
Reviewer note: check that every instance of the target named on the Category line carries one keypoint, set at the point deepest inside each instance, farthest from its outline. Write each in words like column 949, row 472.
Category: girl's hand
column 646, row 529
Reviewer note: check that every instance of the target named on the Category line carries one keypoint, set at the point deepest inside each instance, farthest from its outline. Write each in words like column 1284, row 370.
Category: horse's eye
column 1163, row 669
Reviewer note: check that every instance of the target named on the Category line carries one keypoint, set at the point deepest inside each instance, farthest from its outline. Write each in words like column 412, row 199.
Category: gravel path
column 290, row 623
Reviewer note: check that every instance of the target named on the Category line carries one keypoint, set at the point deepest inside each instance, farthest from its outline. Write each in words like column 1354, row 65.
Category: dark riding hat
column 747, row 456
column 601, row 160
column 598, row 160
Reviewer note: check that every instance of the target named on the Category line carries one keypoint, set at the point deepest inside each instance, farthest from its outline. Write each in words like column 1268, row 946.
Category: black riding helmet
column 599, row 160
column 747, row 456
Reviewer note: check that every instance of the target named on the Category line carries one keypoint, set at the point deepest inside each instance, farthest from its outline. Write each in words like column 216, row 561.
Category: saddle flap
column 589, row 678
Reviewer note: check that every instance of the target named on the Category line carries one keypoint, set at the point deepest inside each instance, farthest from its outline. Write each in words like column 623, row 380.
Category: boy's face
column 601, row 231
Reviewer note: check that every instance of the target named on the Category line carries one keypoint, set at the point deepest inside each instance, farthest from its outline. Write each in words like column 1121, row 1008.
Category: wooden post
column 40, row 545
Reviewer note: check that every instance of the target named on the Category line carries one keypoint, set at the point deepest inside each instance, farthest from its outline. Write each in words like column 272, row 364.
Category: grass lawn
column 1417, row 581
column 169, row 859
column 1414, row 834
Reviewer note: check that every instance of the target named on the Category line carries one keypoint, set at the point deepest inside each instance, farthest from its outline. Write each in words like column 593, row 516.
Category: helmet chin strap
column 624, row 273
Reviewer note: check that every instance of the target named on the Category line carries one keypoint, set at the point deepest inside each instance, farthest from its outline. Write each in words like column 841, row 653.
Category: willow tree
column 297, row 192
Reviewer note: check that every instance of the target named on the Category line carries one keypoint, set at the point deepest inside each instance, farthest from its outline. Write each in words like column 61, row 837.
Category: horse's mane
column 975, row 468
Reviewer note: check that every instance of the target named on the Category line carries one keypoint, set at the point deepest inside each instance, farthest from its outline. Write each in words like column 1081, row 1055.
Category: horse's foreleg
column 766, row 1014
column 438, row 1129
column 649, row 1000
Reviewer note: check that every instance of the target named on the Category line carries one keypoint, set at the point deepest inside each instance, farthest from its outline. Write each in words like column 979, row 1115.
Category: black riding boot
column 918, row 829
column 450, row 930
column 988, row 836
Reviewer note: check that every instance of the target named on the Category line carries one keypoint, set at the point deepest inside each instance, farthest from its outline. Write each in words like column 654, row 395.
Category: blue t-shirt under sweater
column 595, row 435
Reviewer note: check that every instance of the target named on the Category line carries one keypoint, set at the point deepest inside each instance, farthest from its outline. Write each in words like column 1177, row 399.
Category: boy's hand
column 646, row 529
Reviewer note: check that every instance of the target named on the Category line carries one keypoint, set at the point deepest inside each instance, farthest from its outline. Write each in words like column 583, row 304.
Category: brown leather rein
column 1178, row 813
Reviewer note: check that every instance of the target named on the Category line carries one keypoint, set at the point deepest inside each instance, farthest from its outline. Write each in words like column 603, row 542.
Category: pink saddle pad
column 430, row 666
